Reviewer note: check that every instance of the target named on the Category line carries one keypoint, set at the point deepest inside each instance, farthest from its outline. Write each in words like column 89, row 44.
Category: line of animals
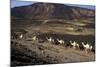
column 73, row 44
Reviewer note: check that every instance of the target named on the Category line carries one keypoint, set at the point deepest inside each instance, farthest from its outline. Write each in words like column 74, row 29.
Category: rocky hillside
column 45, row 11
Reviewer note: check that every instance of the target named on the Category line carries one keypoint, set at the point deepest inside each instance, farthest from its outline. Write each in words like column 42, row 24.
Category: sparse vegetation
column 57, row 23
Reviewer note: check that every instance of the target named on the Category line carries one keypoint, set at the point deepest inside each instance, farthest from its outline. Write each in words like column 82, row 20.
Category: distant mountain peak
column 44, row 11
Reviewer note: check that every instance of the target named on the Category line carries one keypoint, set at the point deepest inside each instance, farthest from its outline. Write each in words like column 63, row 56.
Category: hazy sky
column 23, row 3
column 20, row 3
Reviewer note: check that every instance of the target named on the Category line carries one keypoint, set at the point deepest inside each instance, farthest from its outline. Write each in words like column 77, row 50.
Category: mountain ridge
column 44, row 11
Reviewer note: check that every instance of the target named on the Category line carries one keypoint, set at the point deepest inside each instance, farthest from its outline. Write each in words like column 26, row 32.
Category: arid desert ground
column 51, row 41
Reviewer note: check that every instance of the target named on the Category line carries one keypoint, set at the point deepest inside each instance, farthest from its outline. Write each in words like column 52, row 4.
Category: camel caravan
column 87, row 47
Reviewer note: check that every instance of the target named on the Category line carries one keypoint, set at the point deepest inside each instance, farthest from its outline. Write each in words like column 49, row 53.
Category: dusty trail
column 50, row 53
